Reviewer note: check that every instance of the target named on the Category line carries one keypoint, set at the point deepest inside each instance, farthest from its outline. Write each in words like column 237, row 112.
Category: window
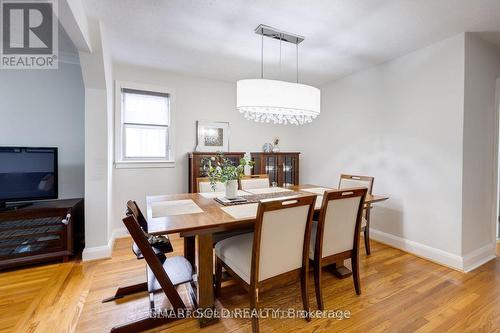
column 143, row 126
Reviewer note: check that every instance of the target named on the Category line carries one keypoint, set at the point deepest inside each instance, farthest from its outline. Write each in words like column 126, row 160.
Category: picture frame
column 212, row 136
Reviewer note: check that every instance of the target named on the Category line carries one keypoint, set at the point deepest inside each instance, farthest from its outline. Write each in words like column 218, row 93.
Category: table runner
column 266, row 190
column 211, row 195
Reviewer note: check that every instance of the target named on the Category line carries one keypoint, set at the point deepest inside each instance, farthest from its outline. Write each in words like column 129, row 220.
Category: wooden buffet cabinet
column 282, row 168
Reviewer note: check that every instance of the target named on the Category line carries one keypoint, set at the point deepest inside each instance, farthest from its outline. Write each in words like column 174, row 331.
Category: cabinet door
column 272, row 168
column 289, row 168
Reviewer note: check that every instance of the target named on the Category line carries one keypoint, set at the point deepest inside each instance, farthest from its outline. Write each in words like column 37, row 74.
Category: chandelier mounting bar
column 274, row 33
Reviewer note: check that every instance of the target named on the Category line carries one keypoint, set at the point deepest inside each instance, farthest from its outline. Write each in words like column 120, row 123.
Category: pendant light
column 276, row 101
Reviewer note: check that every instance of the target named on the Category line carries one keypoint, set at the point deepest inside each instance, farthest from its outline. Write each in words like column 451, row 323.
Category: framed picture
column 213, row 136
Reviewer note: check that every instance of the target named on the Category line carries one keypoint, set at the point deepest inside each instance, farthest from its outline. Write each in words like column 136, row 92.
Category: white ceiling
column 215, row 38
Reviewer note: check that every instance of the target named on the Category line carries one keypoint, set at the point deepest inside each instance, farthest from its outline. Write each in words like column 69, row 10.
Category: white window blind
column 145, row 125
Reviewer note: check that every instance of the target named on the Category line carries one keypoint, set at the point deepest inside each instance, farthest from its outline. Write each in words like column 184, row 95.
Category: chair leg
column 355, row 273
column 317, row 284
column 304, row 282
column 218, row 276
column 254, row 309
column 367, row 240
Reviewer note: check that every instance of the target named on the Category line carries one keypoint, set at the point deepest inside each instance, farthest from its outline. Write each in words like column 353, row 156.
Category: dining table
column 198, row 216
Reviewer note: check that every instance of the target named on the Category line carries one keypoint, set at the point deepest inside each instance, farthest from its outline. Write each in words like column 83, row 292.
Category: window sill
column 144, row 164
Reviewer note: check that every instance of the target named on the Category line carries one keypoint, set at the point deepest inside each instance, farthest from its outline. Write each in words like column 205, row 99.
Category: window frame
column 119, row 124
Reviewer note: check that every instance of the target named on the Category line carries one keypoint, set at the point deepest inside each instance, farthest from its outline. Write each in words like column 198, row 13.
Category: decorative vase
column 276, row 149
column 267, row 148
column 232, row 189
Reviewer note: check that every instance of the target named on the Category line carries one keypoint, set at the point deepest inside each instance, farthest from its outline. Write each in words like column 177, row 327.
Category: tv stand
column 4, row 206
column 41, row 231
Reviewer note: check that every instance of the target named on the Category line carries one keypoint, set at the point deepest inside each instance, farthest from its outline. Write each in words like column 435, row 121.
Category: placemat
column 174, row 207
column 319, row 201
column 317, row 190
column 242, row 211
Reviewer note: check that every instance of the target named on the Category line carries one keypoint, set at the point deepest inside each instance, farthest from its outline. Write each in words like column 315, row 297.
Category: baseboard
column 427, row 252
column 478, row 257
column 104, row 251
column 98, row 252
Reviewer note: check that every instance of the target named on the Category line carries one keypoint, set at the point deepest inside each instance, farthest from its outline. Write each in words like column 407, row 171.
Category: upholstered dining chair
column 257, row 260
column 249, row 182
column 133, row 209
column 349, row 181
column 165, row 276
column 335, row 236
column 204, row 185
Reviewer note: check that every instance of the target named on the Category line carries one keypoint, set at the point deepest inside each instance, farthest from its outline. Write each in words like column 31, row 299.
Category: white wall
column 194, row 99
column 96, row 69
column 46, row 108
column 482, row 67
column 402, row 123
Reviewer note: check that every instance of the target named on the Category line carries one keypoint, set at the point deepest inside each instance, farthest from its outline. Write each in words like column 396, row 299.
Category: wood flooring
column 400, row 293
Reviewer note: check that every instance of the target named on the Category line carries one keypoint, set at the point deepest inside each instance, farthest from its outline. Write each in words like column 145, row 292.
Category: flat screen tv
column 27, row 174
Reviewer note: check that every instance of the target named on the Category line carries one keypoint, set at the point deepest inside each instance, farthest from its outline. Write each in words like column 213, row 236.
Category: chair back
column 153, row 261
column 133, row 208
column 340, row 221
column 204, row 185
column 249, row 182
column 291, row 219
column 350, row 181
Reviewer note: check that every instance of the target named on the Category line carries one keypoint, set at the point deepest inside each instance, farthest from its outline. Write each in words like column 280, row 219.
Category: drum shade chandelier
column 279, row 102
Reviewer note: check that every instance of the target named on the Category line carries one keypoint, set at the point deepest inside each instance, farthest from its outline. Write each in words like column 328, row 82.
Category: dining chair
column 204, row 186
column 335, row 236
column 349, row 181
column 249, row 182
column 167, row 276
column 133, row 209
column 260, row 260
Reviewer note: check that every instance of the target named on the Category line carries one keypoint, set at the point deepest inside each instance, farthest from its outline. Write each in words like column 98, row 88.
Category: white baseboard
column 436, row 255
column 478, row 257
column 98, row 252
column 104, row 251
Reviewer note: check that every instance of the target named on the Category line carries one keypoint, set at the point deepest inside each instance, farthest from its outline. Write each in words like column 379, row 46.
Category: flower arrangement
column 221, row 169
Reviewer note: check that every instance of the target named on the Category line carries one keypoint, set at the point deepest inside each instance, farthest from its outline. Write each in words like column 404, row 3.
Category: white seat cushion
column 236, row 252
column 178, row 269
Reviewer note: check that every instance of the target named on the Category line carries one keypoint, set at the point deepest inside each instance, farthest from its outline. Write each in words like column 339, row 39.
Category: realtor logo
column 29, row 34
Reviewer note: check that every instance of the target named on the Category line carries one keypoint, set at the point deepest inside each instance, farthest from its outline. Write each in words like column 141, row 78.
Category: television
column 27, row 174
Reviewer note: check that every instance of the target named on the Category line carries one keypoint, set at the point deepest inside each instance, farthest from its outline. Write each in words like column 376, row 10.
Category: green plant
column 221, row 169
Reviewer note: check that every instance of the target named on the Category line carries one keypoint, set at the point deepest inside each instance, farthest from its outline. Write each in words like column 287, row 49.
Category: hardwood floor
column 400, row 293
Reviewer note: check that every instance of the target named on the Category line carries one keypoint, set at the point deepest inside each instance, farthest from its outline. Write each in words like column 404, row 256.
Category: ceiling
column 215, row 38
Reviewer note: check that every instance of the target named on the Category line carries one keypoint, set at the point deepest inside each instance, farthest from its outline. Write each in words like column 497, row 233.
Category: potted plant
column 221, row 169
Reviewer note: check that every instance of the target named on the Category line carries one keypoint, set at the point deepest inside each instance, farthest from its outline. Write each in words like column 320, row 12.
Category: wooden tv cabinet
column 42, row 231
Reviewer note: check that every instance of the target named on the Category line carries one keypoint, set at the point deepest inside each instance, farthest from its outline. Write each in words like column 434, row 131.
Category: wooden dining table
column 197, row 229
